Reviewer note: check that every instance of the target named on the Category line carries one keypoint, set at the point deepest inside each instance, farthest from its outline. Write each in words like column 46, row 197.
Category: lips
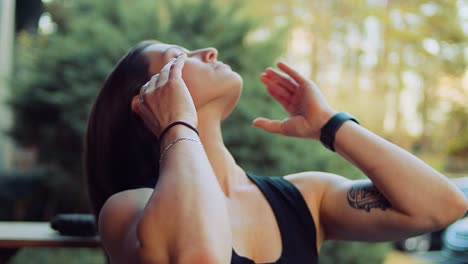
column 220, row 64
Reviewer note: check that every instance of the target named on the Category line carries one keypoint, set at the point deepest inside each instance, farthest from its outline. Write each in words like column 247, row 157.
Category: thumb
column 272, row 126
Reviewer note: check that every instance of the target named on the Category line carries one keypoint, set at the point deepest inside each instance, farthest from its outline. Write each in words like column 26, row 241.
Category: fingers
column 141, row 95
column 293, row 73
column 172, row 69
column 152, row 82
column 281, row 86
column 176, row 71
column 277, row 84
column 282, row 79
column 164, row 74
column 278, row 93
column 272, row 126
column 276, row 87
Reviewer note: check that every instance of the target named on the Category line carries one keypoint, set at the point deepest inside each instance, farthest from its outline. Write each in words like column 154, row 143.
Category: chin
column 233, row 95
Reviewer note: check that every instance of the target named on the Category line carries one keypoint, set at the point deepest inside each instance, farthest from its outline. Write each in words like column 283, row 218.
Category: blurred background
column 399, row 66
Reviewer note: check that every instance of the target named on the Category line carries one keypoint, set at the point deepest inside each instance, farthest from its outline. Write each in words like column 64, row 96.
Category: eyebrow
column 178, row 47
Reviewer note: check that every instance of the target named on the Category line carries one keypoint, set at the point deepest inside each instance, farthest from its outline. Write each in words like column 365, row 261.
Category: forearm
column 411, row 186
column 187, row 206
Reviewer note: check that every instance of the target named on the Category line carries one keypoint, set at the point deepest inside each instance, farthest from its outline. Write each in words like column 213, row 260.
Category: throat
column 227, row 172
column 225, row 168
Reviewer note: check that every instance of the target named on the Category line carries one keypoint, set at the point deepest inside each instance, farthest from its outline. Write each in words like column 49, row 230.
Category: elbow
column 457, row 209
column 452, row 211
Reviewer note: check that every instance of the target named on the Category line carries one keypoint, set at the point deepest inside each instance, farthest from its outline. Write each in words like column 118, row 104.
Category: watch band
column 328, row 131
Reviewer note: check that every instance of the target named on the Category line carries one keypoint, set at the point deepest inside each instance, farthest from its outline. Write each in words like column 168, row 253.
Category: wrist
column 330, row 128
column 175, row 132
column 320, row 121
column 324, row 118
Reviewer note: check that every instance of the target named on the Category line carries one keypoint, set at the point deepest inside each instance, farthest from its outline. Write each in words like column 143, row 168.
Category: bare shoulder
column 312, row 185
column 118, row 220
column 130, row 198
column 313, row 182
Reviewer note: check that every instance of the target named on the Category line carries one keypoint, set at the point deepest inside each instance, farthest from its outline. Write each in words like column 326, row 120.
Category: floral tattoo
column 363, row 195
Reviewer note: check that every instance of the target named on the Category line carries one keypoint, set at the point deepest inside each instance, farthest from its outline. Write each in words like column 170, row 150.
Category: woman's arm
column 132, row 232
column 411, row 186
column 187, row 209
column 404, row 196
column 412, row 197
column 181, row 220
column 186, row 215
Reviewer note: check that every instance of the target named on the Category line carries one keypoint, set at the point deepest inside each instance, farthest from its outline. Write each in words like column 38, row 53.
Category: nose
column 208, row 54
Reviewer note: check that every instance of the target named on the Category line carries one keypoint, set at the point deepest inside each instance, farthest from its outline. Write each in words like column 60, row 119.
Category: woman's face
column 208, row 80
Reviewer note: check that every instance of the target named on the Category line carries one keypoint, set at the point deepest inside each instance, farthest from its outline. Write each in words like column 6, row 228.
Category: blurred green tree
column 58, row 74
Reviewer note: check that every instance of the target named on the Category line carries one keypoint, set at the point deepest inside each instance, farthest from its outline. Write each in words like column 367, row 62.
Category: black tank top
column 296, row 225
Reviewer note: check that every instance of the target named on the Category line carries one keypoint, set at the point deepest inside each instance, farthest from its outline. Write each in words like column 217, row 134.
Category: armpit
column 363, row 195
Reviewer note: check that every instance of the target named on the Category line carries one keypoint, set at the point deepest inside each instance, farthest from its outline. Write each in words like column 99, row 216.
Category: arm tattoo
column 363, row 195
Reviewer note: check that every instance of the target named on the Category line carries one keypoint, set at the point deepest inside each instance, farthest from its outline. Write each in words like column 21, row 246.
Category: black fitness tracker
column 328, row 131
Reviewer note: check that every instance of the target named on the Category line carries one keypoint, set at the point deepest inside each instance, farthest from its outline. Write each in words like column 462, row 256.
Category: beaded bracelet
column 174, row 142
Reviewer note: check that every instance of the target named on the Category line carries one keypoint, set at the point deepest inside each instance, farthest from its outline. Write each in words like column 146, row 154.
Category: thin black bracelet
column 328, row 131
column 161, row 136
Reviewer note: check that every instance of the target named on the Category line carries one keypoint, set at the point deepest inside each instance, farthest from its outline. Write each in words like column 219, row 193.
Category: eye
column 175, row 51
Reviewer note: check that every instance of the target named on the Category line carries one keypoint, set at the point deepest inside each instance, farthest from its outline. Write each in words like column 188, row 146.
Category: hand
column 307, row 108
column 165, row 98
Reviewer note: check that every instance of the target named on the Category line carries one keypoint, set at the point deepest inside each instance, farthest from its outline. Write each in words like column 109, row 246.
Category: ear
column 135, row 104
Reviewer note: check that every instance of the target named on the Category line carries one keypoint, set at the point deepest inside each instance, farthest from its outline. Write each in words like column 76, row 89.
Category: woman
column 180, row 197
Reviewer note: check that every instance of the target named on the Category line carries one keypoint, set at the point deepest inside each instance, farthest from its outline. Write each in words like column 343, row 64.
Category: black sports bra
column 297, row 228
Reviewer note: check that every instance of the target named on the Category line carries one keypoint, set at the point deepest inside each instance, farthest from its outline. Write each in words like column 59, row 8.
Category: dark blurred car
column 430, row 241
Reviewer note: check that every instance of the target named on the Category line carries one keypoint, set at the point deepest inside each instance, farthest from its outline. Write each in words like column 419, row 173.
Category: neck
column 227, row 172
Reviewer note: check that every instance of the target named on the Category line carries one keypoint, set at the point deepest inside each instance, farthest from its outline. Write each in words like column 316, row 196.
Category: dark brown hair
column 120, row 152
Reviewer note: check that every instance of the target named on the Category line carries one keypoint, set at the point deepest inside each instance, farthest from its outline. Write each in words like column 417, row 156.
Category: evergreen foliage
column 58, row 75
